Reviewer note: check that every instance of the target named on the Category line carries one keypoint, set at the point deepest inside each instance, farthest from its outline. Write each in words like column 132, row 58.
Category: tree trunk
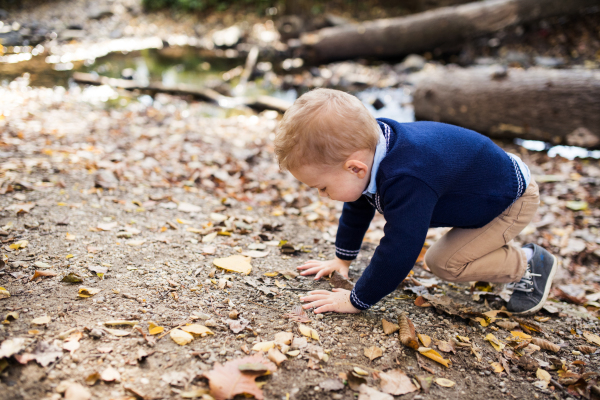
column 557, row 106
column 425, row 31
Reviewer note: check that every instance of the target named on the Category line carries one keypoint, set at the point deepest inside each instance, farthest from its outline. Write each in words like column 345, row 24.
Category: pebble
column 96, row 333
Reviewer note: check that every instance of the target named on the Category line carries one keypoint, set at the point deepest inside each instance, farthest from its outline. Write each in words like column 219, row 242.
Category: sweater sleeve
column 408, row 205
column 354, row 222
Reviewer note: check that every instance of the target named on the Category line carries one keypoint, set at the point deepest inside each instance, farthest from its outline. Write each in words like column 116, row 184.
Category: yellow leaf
column 4, row 293
column 360, row 371
column 21, row 244
column 263, row 346
column 180, row 337
column 307, row 331
column 234, row 264
column 154, row 329
column 88, row 292
column 134, row 243
column 482, row 321
column 463, row 339
column 426, row 340
column 520, row 335
column 34, row 332
column 117, row 332
column 41, row 320
column 70, row 236
column 209, row 238
column 197, row 329
column 373, row 352
column 543, row 375
column 498, row 368
column 61, row 204
column 121, row 322
column 498, row 345
column 194, row 230
column 271, row 274
column 444, row 382
column 434, row 355
column 69, row 256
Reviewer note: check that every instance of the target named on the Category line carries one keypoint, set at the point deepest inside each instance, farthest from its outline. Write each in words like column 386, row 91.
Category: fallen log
column 426, row 31
column 259, row 103
column 557, row 106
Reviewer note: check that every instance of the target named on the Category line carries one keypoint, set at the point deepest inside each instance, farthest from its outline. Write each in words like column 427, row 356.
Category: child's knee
column 439, row 265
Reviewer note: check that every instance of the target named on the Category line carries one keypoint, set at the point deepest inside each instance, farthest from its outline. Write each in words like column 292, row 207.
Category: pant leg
column 485, row 254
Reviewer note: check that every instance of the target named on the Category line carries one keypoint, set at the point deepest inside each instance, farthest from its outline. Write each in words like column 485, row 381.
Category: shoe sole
column 539, row 306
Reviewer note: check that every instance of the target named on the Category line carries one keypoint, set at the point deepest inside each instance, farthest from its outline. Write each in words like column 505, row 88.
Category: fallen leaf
column 330, row 385
column 368, row 393
column 77, row 392
column 355, row 380
column 284, row 338
column 69, row 236
column 498, row 368
column 209, row 238
column 42, row 265
column 4, row 294
column 308, row 332
column 110, row 374
column 373, row 352
column 135, row 243
column 107, row 226
column 396, row 382
column 197, row 329
column 543, row 375
column 276, row 356
column 99, row 270
column 21, row 244
column 389, row 327
column 21, row 208
column 88, row 292
column 118, row 332
column 446, row 346
column 587, row 349
column 407, row 334
column 11, row 346
column 12, row 316
column 361, row 371
column 92, row 378
column 592, row 338
column 298, row 314
column 180, row 337
column 39, row 274
column 434, row 355
column 520, row 335
column 256, row 253
column 41, row 320
column 225, row 381
column 235, row 263
column 263, row 346
column 72, row 277
column 545, row 344
column 337, row 280
column 188, row 207
column 508, row 325
column 121, row 322
column 496, row 344
column 426, row 340
column 421, row 302
column 444, row 382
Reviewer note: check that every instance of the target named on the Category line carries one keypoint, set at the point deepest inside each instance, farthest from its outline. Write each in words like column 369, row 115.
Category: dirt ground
column 126, row 195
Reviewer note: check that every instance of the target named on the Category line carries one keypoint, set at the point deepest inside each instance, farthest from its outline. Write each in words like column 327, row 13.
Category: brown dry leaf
column 528, row 325
column 110, row 374
column 298, row 314
column 38, row 274
column 88, row 292
column 373, row 352
column 421, row 302
column 337, row 280
column 446, row 346
column 426, row 340
column 308, row 331
column 72, row 342
column 587, row 349
column 117, row 332
column 592, row 338
column 396, row 382
column 77, row 392
column 118, row 322
column 545, row 344
column 180, row 337
column 407, row 334
column 227, row 380
column 434, row 355
column 235, row 263
column 284, row 338
column 443, row 382
column 197, row 329
column 368, row 393
column 388, row 327
column 21, row 208
column 107, row 226
column 276, row 356
column 92, row 378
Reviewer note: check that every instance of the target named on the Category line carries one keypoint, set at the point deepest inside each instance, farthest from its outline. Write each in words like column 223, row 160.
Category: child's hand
column 324, row 268
column 338, row 301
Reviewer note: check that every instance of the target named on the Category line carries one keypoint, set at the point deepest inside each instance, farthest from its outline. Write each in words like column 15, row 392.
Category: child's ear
column 357, row 168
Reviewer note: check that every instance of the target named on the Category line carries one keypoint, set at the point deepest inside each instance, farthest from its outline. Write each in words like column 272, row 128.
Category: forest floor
column 126, row 198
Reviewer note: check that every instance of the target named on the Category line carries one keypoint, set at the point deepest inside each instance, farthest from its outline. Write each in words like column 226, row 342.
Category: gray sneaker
column 531, row 292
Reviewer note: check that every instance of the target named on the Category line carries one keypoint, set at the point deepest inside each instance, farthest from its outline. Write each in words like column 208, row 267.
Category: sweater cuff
column 344, row 254
column 356, row 302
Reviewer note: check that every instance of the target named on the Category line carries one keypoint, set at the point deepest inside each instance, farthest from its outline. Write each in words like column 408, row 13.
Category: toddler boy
column 418, row 175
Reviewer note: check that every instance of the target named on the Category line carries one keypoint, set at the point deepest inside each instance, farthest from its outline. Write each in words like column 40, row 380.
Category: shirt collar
column 380, row 153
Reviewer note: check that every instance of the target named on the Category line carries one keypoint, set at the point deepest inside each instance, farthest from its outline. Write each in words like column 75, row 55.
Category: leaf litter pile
column 149, row 251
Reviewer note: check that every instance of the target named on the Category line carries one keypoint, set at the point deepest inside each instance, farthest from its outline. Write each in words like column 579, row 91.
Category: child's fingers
column 320, row 291
column 311, row 271
column 308, row 264
column 317, row 303
column 322, row 273
column 325, row 308
column 314, row 297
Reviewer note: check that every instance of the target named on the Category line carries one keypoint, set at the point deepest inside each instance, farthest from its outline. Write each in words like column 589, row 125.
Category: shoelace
column 526, row 282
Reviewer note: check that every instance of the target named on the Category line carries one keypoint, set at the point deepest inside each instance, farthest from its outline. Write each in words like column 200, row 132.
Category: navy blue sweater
column 433, row 175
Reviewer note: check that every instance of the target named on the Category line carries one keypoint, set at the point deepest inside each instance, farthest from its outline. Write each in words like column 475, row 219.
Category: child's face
column 342, row 182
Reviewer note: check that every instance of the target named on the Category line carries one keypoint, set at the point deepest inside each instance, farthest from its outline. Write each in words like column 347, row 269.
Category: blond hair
column 324, row 126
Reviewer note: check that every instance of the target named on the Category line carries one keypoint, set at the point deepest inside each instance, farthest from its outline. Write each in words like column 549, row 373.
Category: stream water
column 188, row 65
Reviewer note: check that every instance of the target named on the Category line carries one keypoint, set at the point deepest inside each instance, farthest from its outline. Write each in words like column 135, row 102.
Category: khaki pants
column 484, row 254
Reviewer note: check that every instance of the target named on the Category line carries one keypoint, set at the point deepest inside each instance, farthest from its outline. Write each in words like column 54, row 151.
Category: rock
column 75, row 26
column 99, row 13
column 71, row 34
column 97, row 333
column 106, row 179
column 3, row 14
column 549, row 62
column 518, row 58
column 116, row 33
column 378, row 104
column 227, row 37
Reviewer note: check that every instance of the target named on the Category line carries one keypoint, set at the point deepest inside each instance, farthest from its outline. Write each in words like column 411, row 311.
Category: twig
column 558, row 385
column 54, row 365
column 262, row 305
